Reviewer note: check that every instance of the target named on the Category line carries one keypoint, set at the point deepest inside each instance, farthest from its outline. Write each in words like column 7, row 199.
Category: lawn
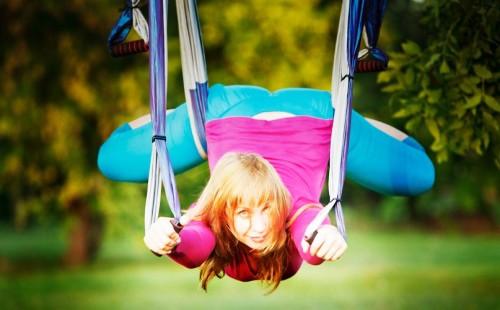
column 381, row 270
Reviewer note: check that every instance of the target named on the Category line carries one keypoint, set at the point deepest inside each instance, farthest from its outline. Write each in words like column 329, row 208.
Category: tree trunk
column 85, row 234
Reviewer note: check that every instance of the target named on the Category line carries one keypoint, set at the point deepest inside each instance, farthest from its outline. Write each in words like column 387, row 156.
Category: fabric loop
column 350, row 77
column 335, row 201
column 158, row 137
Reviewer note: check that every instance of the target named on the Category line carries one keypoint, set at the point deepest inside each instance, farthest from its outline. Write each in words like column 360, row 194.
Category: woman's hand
column 161, row 237
column 328, row 244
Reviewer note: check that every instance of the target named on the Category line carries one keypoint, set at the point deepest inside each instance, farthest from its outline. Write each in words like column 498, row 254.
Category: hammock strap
column 160, row 171
column 346, row 50
column 372, row 59
column 194, row 70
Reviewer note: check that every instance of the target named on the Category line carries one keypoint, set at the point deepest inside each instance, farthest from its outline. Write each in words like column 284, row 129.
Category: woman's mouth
column 259, row 239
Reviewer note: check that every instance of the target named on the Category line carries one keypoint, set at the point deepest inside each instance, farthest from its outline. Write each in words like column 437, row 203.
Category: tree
column 61, row 94
column 444, row 86
column 450, row 87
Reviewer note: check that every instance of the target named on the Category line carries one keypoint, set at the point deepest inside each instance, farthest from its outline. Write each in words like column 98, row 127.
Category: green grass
column 381, row 270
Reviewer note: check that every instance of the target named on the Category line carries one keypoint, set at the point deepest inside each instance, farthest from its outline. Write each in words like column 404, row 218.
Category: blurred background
column 71, row 238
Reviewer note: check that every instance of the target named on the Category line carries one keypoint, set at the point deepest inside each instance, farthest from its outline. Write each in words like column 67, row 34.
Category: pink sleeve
column 197, row 243
column 297, row 230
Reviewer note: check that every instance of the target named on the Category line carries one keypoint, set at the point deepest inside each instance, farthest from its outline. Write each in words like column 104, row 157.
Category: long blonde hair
column 243, row 178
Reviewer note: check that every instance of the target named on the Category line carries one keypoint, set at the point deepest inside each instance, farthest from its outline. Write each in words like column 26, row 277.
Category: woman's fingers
column 325, row 247
column 320, row 243
column 161, row 237
column 330, row 253
column 338, row 247
column 328, row 244
column 340, row 252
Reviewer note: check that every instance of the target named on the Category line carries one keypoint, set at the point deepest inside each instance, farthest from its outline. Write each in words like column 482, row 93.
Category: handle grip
column 370, row 65
column 311, row 238
column 129, row 48
column 177, row 228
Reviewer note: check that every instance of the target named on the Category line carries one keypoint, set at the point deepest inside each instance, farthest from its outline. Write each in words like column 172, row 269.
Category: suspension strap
column 160, row 171
column 372, row 59
column 346, row 50
column 194, row 70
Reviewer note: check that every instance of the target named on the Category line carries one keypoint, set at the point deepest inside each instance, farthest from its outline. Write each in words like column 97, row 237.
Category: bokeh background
column 71, row 238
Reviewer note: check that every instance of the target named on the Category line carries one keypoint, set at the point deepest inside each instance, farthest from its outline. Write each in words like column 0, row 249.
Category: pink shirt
column 298, row 148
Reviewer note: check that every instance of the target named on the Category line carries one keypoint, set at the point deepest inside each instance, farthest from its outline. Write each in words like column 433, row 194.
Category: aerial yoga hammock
column 371, row 153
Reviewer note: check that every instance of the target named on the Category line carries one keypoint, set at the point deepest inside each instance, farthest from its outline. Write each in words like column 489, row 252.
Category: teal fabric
column 376, row 160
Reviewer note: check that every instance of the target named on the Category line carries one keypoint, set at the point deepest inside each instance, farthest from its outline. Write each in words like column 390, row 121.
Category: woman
column 250, row 220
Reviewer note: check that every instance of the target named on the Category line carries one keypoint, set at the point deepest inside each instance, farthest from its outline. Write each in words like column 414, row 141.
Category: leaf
column 402, row 113
column 433, row 128
column 438, row 145
column 432, row 61
column 473, row 80
column 413, row 124
column 486, row 138
column 411, row 48
column 476, row 145
column 407, row 111
column 409, row 77
column 392, row 88
column 492, row 103
column 425, row 81
column 457, row 124
column 384, row 76
column 477, row 54
column 491, row 121
column 482, row 72
column 472, row 102
column 444, row 68
column 434, row 95
column 442, row 156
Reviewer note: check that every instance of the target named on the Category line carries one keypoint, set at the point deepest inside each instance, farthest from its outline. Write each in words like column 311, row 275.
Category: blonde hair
column 249, row 179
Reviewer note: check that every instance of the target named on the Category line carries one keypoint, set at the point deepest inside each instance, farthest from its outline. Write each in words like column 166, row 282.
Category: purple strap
column 157, row 92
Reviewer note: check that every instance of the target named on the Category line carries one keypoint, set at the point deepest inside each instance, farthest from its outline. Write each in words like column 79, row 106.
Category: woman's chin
column 256, row 245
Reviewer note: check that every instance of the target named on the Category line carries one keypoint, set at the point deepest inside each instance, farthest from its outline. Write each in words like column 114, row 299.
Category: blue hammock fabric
column 121, row 29
column 376, row 160
column 199, row 97
column 194, row 70
column 374, row 12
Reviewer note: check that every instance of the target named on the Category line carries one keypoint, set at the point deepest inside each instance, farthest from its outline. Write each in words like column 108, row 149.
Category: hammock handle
column 370, row 65
column 129, row 48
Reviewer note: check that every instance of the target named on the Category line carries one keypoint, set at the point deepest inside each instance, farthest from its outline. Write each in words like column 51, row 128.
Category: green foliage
column 61, row 95
column 449, row 87
column 394, row 209
column 274, row 44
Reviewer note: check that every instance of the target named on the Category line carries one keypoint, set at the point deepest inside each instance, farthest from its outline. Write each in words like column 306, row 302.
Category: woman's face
column 251, row 226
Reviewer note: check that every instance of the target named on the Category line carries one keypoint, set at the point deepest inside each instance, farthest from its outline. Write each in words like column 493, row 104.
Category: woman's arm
column 297, row 230
column 190, row 247
column 196, row 245
column 328, row 243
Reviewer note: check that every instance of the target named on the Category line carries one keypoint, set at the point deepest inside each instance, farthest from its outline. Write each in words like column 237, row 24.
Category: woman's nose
column 259, row 223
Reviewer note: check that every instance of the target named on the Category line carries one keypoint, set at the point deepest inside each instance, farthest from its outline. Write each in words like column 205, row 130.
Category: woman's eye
column 243, row 213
